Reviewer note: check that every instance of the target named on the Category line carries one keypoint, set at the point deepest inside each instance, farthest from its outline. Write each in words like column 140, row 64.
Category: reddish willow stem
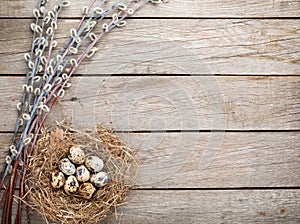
column 92, row 2
column 7, row 210
column 9, row 192
column 26, row 159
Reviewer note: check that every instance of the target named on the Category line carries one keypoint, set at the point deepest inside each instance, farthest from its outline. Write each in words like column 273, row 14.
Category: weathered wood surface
column 249, row 47
column 176, row 8
column 214, row 207
column 178, row 168
column 209, row 206
column 172, row 103
column 212, row 160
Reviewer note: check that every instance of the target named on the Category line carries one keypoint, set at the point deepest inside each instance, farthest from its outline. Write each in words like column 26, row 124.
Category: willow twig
column 47, row 79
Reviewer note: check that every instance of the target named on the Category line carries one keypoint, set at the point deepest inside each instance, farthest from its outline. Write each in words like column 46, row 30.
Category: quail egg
column 71, row 185
column 86, row 190
column 99, row 179
column 76, row 155
column 57, row 179
column 66, row 167
column 94, row 163
column 82, row 173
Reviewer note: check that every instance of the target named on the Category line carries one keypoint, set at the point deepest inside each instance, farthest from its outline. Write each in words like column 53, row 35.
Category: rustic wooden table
column 208, row 91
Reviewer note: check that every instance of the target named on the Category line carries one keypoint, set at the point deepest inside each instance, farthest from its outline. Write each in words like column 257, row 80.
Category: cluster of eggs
column 79, row 174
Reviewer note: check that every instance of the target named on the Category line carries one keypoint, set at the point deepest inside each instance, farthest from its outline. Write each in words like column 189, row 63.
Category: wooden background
column 208, row 91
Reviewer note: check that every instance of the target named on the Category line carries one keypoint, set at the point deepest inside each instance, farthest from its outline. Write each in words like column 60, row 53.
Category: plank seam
column 192, row 131
column 214, row 189
column 172, row 18
column 168, row 75
column 220, row 189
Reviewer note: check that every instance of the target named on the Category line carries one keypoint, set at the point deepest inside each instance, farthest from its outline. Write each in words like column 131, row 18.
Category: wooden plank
column 150, row 103
column 177, row 46
column 212, row 160
column 213, row 207
column 196, row 206
column 176, row 8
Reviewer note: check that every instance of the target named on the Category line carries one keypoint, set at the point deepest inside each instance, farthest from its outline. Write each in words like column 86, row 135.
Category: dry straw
column 55, row 205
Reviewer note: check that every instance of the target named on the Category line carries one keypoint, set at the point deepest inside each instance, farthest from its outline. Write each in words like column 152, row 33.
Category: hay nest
column 55, row 205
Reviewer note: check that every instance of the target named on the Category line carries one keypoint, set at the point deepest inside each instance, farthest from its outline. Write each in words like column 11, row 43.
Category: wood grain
column 207, row 144
column 176, row 8
column 150, row 103
column 211, row 207
column 177, row 46
column 212, row 160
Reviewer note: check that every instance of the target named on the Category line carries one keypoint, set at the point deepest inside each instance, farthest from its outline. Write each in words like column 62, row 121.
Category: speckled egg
column 82, row 173
column 86, row 190
column 76, row 155
column 99, row 179
column 94, row 163
column 66, row 167
column 71, row 185
column 57, row 179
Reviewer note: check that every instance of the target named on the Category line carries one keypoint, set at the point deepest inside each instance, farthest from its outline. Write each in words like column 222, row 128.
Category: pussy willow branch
column 54, row 78
column 26, row 108
column 50, row 76
column 27, row 78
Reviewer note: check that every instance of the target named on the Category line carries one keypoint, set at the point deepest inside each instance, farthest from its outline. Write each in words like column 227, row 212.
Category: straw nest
column 55, row 205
